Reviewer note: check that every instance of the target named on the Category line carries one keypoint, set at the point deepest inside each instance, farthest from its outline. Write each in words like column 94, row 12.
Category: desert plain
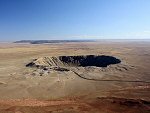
column 117, row 88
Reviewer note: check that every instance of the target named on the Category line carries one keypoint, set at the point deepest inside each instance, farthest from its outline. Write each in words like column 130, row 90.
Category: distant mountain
column 50, row 41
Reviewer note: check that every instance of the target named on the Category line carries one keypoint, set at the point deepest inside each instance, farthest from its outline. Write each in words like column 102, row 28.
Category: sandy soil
column 16, row 82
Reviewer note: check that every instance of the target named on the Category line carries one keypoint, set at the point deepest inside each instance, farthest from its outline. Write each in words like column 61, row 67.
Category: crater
column 90, row 67
column 76, row 61
column 85, row 66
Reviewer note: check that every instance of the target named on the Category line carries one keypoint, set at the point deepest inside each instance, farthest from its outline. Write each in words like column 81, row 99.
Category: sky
column 74, row 19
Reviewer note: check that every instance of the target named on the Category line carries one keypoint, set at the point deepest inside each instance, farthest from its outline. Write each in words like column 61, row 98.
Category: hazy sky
column 74, row 19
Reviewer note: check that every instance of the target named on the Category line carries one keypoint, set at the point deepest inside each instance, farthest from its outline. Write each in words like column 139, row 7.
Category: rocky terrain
column 98, row 105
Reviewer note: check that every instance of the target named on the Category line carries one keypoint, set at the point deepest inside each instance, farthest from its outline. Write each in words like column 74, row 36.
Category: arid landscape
column 74, row 56
column 75, row 77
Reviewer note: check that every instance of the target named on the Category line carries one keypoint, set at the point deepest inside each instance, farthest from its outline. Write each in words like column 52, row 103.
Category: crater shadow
column 90, row 60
